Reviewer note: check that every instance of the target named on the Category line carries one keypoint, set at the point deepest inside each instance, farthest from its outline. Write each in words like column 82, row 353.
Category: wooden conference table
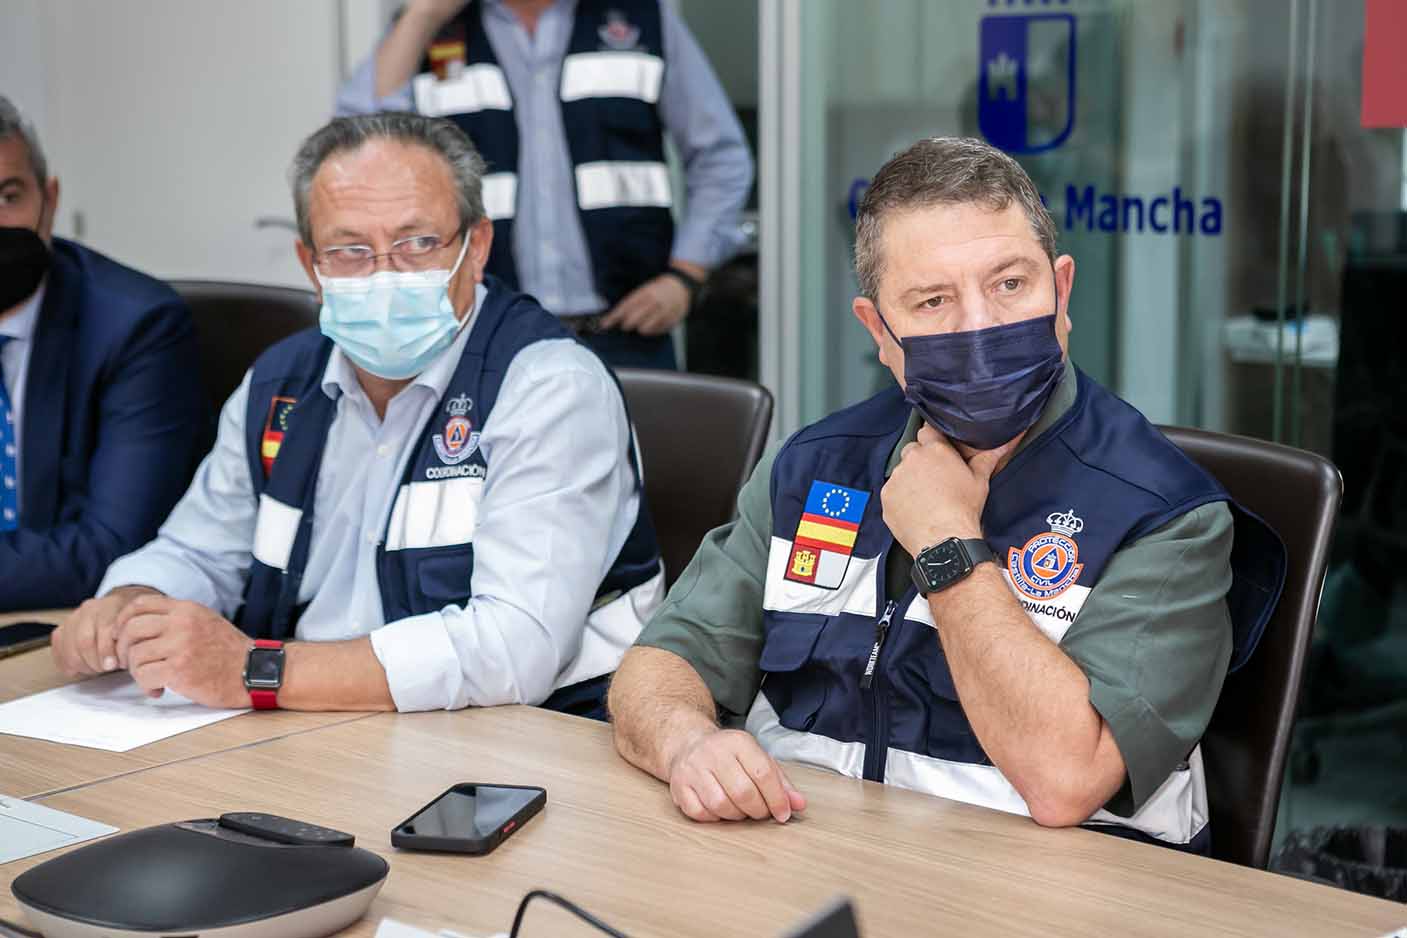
column 30, row 767
column 611, row 840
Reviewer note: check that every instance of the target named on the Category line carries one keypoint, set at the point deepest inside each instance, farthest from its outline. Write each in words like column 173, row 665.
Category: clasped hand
column 163, row 642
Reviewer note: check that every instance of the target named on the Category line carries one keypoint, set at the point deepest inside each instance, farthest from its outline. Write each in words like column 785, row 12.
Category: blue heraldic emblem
column 1049, row 563
column 1026, row 81
column 459, row 439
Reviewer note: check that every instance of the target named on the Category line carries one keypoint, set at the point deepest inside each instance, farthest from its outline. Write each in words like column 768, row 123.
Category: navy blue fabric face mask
column 986, row 386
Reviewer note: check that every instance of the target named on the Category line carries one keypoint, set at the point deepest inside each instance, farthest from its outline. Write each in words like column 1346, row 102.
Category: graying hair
column 13, row 124
column 344, row 134
column 943, row 171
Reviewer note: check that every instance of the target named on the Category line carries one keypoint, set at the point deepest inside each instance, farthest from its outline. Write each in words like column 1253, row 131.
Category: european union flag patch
column 825, row 536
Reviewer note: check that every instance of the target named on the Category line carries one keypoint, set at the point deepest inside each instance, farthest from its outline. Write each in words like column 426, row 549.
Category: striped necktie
column 9, row 449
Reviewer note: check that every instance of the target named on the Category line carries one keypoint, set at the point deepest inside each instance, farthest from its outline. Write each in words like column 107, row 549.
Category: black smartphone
column 22, row 636
column 469, row 818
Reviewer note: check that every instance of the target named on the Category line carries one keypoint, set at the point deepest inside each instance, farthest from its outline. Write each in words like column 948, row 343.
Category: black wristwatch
column 940, row 566
column 691, row 283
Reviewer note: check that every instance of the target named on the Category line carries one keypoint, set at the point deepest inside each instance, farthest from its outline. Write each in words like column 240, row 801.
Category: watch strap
column 978, row 550
column 691, row 283
column 264, row 699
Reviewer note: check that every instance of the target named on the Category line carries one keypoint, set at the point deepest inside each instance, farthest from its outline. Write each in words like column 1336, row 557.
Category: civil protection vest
column 425, row 558
column 1099, row 478
column 609, row 91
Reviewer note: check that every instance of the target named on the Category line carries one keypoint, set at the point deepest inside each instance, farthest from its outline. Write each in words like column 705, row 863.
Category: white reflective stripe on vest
column 611, row 628
column 618, row 184
column 1175, row 813
column 434, row 514
column 500, row 195
column 275, row 527
column 807, row 748
column 478, row 88
column 612, row 75
column 1052, row 616
column 856, row 592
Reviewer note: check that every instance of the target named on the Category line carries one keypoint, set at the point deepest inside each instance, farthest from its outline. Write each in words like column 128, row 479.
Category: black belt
column 585, row 325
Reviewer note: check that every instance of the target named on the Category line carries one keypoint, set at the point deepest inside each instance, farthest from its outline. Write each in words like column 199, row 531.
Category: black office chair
column 1246, row 745
column 234, row 322
column 700, row 438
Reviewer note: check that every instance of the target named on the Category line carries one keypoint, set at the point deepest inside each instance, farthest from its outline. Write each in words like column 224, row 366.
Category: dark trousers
column 633, row 350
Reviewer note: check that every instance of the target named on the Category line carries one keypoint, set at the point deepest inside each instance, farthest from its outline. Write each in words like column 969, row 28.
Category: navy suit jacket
column 114, row 421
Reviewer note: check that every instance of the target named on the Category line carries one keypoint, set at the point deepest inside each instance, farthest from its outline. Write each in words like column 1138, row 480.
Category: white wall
column 171, row 123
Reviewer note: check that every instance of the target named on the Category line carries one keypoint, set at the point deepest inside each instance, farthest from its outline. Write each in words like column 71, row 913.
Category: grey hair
column 344, row 134
column 13, row 124
column 943, row 171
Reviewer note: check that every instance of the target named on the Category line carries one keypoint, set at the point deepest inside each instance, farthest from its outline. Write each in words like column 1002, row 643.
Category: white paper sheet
column 107, row 712
column 27, row 829
column 391, row 928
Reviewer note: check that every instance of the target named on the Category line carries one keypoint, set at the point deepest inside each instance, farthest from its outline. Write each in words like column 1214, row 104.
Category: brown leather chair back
column 1244, row 749
column 700, row 438
column 234, row 322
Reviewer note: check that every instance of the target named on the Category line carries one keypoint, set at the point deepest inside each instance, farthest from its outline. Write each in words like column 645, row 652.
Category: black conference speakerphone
column 240, row 876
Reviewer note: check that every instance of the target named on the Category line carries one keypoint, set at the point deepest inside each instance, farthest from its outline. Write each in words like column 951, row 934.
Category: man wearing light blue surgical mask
column 994, row 582
column 431, row 501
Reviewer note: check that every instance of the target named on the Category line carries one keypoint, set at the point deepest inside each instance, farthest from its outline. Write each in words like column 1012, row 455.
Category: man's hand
column 934, row 494
column 184, row 646
column 726, row 776
column 84, row 644
column 653, row 308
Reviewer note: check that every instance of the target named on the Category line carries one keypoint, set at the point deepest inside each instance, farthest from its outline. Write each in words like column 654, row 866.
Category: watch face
column 265, row 668
column 943, row 563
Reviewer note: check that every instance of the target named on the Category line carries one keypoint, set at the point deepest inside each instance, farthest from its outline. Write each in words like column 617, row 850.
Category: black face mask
column 24, row 260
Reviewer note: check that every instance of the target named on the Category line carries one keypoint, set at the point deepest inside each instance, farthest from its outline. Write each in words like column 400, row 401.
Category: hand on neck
column 1007, row 450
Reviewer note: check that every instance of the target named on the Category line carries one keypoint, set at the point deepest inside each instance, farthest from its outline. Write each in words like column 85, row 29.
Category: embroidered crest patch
column 458, row 441
column 1048, row 564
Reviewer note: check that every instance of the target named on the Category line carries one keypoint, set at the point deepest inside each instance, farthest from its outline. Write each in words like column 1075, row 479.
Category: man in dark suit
column 101, row 412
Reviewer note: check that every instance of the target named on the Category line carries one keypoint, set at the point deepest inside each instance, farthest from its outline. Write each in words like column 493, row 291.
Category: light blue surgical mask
column 392, row 323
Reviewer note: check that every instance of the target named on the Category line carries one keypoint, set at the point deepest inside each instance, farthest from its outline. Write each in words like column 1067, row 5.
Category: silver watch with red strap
column 263, row 673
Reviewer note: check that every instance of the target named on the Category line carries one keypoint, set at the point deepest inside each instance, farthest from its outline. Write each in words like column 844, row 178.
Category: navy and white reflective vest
column 1099, row 478
column 610, row 87
column 425, row 558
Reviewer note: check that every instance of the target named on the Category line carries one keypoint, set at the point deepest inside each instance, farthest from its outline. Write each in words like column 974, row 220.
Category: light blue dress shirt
column 553, row 262
column 558, row 503
column 14, row 362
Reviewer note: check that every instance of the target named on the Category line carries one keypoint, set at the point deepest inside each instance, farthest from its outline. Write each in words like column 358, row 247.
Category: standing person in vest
column 995, row 582
column 569, row 102
column 430, row 503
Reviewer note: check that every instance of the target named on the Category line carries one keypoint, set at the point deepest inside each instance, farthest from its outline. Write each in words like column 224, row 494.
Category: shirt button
column 9, row 482
column 9, row 514
column 383, row 450
column 371, row 537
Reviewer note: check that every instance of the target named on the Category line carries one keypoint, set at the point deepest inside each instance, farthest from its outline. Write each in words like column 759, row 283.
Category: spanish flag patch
column 274, row 429
column 825, row 536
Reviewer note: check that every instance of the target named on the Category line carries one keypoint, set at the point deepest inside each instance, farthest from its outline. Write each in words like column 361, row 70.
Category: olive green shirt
column 1153, row 637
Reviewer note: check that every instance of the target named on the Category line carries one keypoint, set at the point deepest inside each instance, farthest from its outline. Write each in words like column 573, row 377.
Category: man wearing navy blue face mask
column 995, row 582
column 429, row 502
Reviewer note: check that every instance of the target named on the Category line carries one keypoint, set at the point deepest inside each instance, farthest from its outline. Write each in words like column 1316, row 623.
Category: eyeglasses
column 418, row 252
